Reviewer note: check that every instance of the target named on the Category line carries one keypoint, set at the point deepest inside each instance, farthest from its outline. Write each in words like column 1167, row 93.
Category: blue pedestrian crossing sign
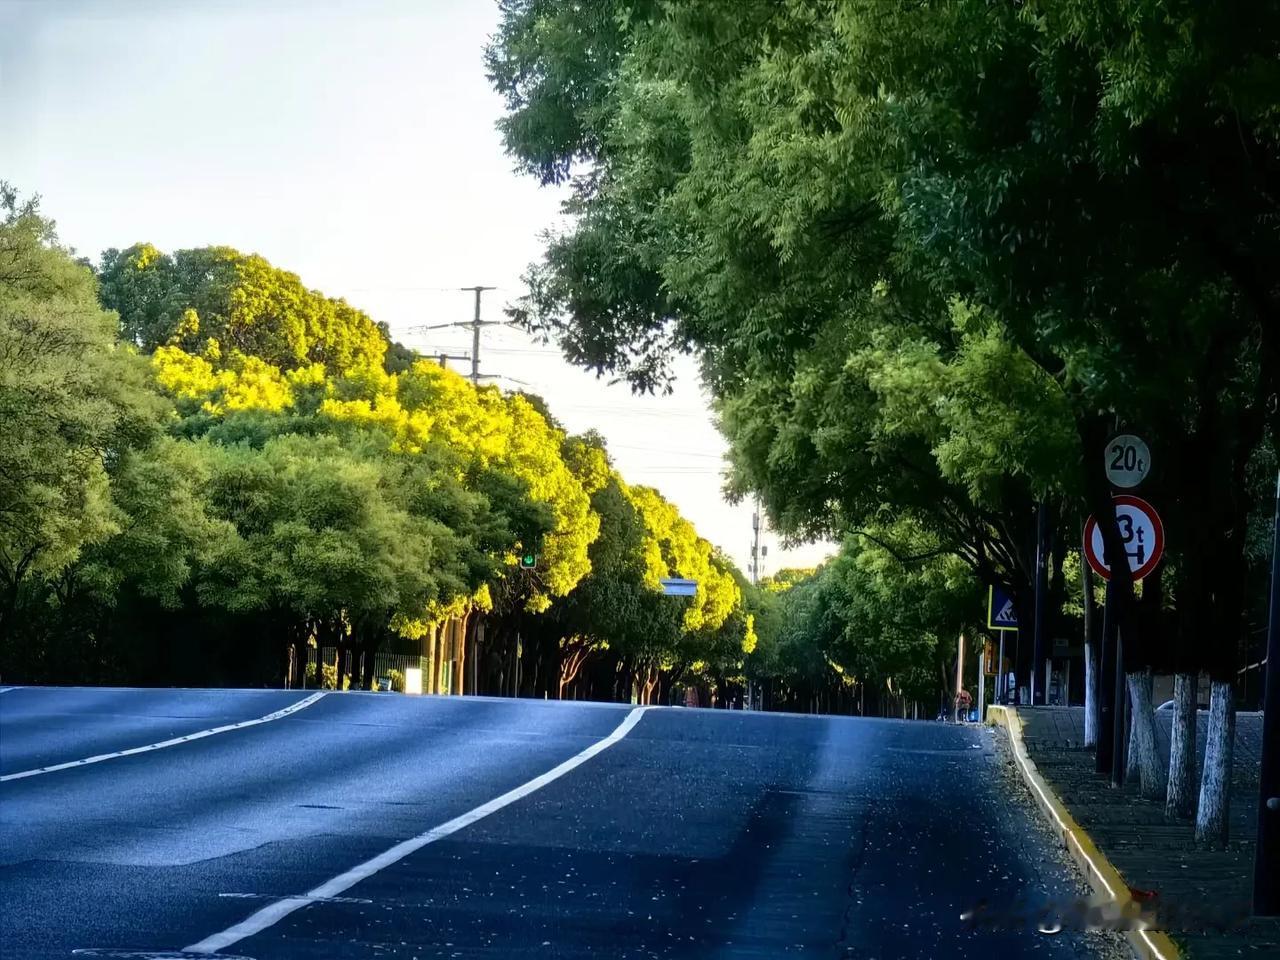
column 1001, row 614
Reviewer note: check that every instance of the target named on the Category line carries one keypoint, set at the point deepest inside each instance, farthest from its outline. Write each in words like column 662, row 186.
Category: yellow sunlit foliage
column 245, row 383
column 273, row 472
column 672, row 548
column 240, row 300
column 425, row 404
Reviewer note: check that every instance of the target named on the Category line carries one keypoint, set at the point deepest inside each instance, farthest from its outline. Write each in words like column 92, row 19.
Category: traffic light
column 528, row 561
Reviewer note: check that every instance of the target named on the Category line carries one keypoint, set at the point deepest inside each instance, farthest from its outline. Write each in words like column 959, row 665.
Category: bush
column 397, row 680
column 330, row 676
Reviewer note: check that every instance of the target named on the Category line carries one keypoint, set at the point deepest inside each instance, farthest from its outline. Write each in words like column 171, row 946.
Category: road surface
column 383, row 826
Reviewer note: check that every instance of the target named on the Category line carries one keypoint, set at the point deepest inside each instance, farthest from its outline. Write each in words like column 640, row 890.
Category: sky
column 352, row 143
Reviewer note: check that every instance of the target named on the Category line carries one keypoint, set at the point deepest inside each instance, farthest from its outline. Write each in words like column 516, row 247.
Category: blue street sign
column 1001, row 614
column 677, row 587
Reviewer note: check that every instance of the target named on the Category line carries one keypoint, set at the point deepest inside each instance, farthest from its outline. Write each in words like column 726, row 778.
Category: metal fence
column 383, row 663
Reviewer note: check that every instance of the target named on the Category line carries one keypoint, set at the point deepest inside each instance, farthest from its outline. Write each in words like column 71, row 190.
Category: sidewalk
column 1155, row 854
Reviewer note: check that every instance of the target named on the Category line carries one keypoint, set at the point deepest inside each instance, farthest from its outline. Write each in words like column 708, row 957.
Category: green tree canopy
column 70, row 404
column 214, row 300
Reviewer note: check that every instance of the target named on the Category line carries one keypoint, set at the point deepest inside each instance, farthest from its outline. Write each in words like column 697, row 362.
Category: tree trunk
column 340, row 662
column 442, row 646
column 1182, row 748
column 297, row 666
column 368, row 653
column 1215, row 779
column 460, row 667
column 448, row 655
column 650, row 684
column 1131, row 750
column 570, row 664
column 477, row 644
column 432, row 680
column 1144, row 753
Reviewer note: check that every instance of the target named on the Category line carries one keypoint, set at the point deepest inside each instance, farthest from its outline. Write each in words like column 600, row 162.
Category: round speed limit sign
column 1141, row 532
column 1128, row 461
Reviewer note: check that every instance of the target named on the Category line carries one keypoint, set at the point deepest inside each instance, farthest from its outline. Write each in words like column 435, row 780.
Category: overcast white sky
column 350, row 142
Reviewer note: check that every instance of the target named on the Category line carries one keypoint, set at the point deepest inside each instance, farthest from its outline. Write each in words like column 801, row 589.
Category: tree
column 839, row 204
column 844, row 382
column 1112, row 212
column 275, row 479
column 218, row 299
column 612, row 608
column 869, row 621
column 70, row 405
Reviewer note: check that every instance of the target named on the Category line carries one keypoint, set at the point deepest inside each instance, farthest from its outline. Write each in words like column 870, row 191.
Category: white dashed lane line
column 176, row 741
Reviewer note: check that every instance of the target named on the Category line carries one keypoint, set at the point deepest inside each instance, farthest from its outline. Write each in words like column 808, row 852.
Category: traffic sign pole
column 1127, row 461
column 1118, row 714
column 1002, row 618
column 1106, row 689
column 982, row 686
column 1039, row 682
column 1001, row 682
column 1142, row 534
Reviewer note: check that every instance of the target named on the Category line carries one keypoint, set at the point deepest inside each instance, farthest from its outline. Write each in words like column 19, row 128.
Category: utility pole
column 755, row 579
column 474, row 326
column 755, row 544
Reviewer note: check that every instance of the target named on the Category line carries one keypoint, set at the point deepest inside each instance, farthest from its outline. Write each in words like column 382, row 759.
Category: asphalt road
column 679, row 833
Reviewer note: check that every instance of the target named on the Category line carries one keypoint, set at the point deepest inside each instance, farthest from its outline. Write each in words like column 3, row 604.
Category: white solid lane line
column 270, row 915
column 198, row 735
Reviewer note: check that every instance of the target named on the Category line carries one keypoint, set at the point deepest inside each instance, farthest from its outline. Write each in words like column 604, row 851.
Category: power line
column 540, row 351
column 390, row 289
column 675, row 472
column 673, row 451
column 633, row 411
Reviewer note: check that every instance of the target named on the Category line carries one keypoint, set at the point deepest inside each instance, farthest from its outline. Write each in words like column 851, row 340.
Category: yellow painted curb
column 1104, row 878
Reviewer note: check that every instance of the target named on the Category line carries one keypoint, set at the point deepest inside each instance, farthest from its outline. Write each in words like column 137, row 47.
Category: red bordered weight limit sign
column 1141, row 531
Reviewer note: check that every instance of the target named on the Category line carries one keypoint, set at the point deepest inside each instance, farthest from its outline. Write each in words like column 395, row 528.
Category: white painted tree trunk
column 1180, row 802
column 1215, row 779
column 1145, row 756
column 1131, row 755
